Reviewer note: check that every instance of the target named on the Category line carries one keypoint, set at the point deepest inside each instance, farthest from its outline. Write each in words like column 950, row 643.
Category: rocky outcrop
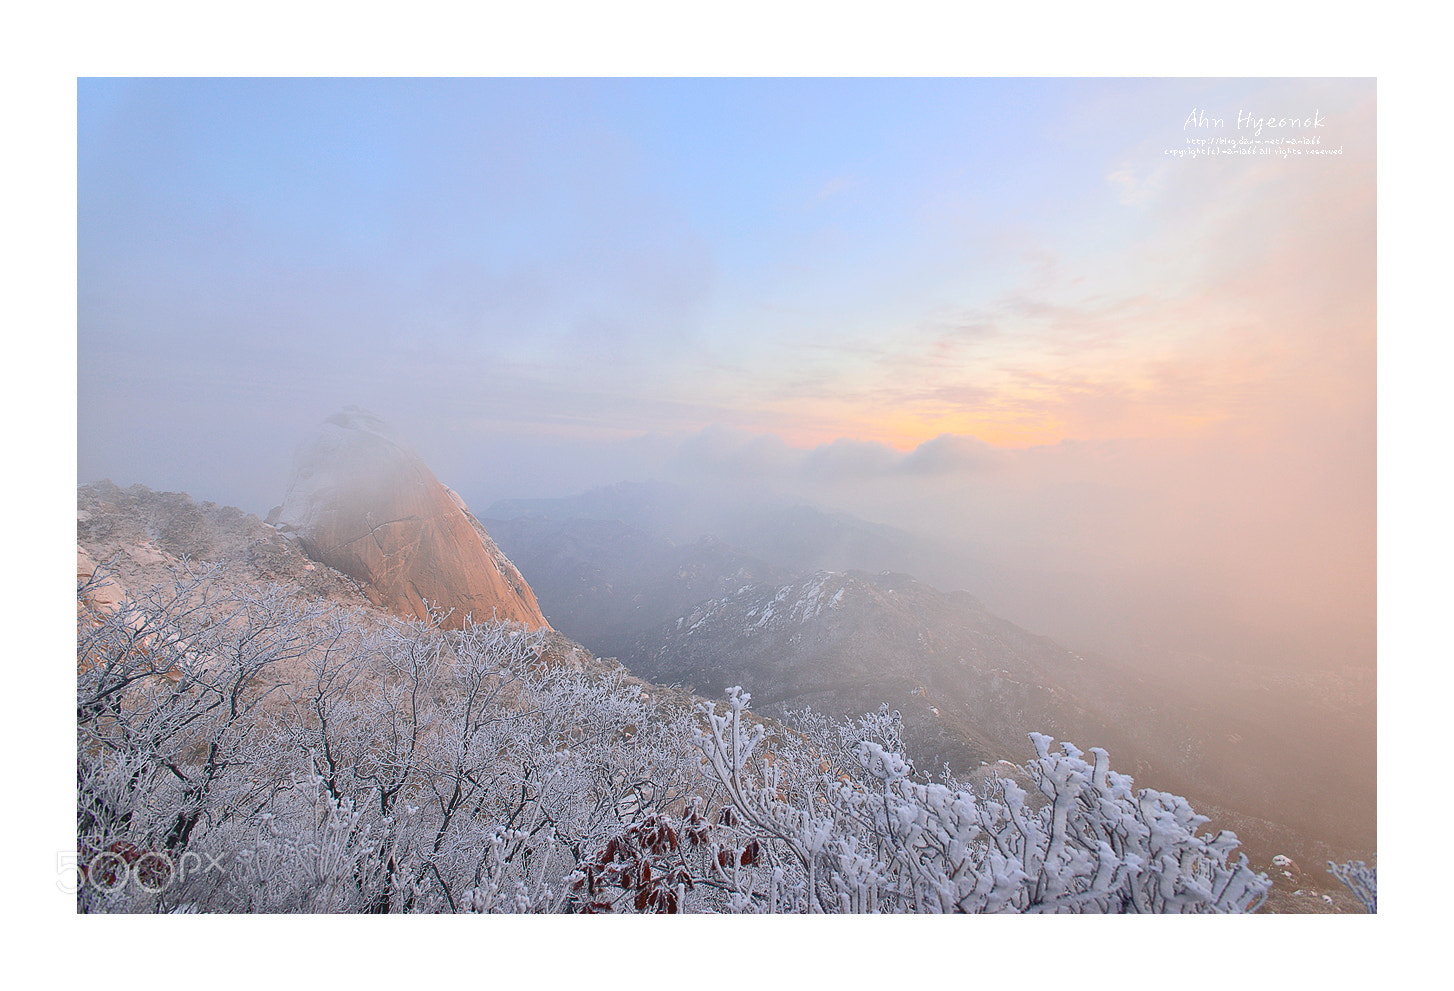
column 363, row 502
column 99, row 591
column 139, row 539
column 134, row 540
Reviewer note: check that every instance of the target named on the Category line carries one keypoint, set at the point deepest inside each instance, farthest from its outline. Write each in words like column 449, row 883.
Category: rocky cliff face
column 363, row 502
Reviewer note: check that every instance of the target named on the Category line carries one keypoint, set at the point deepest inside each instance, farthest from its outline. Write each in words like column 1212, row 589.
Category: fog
column 1144, row 379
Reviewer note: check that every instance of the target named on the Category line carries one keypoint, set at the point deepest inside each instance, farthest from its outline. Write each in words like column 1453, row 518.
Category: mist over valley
column 620, row 570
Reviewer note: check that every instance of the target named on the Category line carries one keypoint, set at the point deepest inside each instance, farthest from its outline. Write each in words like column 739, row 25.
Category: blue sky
column 736, row 249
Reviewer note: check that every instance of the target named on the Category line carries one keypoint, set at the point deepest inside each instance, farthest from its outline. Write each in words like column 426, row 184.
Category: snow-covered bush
column 1360, row 879
column 844, row 825
column 239, row 750
column 169, row 692
column 310, row 760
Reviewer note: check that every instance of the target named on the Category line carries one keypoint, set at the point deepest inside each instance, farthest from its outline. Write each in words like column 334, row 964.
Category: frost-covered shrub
column 844, row 825
column 1360, row 879
column 239, row 750
column 316, row 761
column 169, row 691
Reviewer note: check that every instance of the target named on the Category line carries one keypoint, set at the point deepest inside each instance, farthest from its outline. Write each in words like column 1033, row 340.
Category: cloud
column 845, row 459
column 730, row 454
column 951, row 453
column 1138, row 185
column 835, row 187
column 544, row 298
column 719, row 454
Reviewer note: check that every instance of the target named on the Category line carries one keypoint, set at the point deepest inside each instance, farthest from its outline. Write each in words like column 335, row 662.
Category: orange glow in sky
column 906, row 431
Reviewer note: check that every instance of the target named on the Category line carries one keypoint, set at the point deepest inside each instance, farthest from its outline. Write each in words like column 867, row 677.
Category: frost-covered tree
column 239, row 750
column 168, row 703
column 844, row 825
column 329, row 761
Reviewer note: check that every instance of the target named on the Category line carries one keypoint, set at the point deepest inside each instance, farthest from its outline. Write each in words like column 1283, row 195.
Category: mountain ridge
column 1237, row 742
column 138, row 536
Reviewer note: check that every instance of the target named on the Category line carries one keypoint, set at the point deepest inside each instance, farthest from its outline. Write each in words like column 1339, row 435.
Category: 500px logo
column 121, row 863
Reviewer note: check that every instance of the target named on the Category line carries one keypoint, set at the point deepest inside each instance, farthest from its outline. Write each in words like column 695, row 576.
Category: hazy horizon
column 994, row 310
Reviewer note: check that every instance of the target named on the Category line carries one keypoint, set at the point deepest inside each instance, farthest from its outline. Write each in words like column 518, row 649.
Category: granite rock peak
column 363, row 501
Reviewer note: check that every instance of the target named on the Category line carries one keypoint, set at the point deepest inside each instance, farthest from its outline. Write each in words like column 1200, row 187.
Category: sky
column 1033, row 315
column 207, row 339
